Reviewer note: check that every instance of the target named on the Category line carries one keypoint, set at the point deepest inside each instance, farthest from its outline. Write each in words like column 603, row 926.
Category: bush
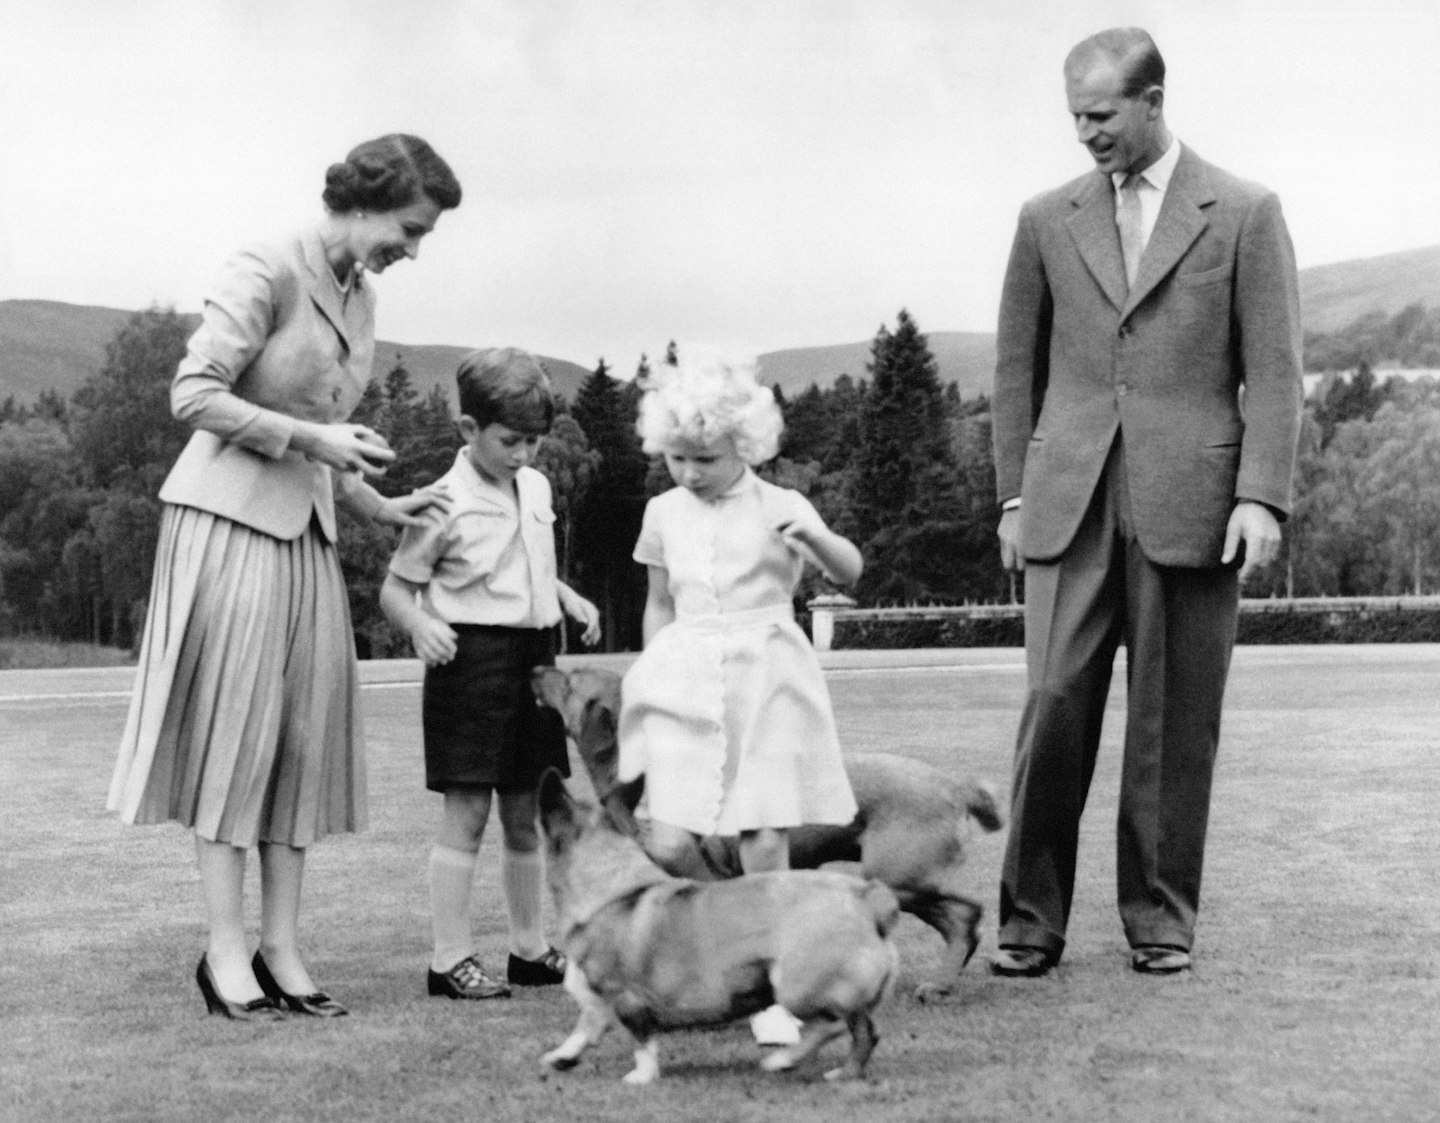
column 1399, row 624
column 938, row 629
column 1387, row 622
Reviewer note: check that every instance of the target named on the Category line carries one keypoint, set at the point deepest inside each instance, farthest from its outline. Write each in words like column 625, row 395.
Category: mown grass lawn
column 1314, row 994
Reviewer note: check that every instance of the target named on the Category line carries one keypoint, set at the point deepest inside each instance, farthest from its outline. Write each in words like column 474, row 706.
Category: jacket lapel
column 1179, row 223
column 1092, row 226
column 323, row 293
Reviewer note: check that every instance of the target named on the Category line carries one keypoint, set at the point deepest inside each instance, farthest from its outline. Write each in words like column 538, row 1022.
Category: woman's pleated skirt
column 244, row 722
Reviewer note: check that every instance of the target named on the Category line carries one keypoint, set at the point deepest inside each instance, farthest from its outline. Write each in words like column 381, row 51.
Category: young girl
column 726, row 712
column 475, row 589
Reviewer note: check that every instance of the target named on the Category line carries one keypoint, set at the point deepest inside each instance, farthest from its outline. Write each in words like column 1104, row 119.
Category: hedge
column 1261, row 623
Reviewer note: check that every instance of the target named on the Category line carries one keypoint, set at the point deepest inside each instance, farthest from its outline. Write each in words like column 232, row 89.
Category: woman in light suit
column 244, row 724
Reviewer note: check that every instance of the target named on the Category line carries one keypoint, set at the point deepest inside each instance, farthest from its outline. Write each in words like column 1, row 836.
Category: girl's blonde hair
column 706, row 397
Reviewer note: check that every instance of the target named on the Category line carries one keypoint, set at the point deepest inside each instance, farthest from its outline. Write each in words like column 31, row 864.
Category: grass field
column 1314, row 997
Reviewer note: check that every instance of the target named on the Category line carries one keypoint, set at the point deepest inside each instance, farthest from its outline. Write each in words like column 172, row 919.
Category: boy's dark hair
column 507, row 385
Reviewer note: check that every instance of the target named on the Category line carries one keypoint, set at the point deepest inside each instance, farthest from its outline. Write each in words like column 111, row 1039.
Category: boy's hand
column 582, row 611
column 433, row 641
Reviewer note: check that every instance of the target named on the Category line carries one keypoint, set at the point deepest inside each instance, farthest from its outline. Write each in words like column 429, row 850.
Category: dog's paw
column 647, row 1064
column 560, row 1060
column 778, row 1060
column 932, row 991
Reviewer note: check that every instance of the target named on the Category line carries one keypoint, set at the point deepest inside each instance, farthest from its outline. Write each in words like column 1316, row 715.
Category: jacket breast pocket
column 1203, row 277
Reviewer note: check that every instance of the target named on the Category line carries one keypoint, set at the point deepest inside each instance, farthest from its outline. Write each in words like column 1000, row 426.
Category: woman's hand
column 409, row 510
column 345, row 447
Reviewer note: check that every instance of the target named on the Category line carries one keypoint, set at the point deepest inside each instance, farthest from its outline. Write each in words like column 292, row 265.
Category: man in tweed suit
column 1146, row 411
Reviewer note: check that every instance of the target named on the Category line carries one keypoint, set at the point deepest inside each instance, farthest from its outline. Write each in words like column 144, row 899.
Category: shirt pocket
column 539, row 529
column 483, row 533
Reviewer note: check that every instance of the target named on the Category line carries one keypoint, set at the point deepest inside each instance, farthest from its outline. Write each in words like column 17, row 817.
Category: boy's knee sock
column 452, row 872
column 523, row 876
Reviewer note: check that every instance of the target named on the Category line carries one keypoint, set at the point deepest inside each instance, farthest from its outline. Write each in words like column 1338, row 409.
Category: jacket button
column 1124, row 331
column 1121, row 389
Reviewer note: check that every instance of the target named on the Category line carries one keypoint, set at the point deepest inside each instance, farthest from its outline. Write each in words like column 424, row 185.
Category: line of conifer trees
column 892, row 458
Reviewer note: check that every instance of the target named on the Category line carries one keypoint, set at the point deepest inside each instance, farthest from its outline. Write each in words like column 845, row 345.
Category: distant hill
column 50, row 344
column 966, row 358
column 1335, row 296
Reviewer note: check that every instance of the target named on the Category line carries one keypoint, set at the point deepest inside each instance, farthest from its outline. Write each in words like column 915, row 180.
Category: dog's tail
column 880, row 899
column 982, row 805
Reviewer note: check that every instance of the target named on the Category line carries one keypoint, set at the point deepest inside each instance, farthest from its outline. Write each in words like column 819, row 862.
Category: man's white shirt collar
column 1158, row 174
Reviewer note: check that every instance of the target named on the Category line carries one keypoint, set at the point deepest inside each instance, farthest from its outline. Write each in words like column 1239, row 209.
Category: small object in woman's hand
column 382, row 454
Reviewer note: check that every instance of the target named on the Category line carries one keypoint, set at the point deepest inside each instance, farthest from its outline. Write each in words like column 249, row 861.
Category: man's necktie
column 1127, row 218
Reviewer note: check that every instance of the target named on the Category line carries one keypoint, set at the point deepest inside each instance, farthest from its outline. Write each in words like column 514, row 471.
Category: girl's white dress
column 726, row 711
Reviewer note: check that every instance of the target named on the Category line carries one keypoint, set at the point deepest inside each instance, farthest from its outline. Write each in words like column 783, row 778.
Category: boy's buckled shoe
column 546, row 971
column 1021, row 963
column 467, row 979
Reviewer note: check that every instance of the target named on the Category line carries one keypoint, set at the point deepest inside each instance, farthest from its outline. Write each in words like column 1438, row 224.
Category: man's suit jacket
column 276, row 342
column 1214, row 311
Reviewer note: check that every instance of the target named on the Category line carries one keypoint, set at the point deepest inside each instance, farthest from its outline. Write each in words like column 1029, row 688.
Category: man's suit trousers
column 1178, row 627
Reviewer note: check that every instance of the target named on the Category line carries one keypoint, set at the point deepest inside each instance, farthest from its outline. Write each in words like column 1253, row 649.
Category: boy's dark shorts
column 481, row 722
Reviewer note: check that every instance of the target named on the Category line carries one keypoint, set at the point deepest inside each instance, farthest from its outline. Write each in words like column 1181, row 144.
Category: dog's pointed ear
column 620, row 803
column 556, row 806
column 630, row 792
column 597, row 727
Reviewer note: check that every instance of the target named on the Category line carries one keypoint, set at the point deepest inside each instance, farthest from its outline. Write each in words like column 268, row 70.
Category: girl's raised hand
column 806, row 535
column 798, row 534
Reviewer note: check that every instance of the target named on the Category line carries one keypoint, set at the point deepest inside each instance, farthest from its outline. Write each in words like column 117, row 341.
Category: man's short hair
column 1129, row 48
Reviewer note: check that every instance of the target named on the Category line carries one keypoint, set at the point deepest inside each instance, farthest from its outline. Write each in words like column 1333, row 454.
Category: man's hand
column 1009, row 534
column 1253, row 526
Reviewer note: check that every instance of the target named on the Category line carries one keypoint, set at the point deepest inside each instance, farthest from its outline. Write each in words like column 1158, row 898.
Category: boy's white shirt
column 474, row 567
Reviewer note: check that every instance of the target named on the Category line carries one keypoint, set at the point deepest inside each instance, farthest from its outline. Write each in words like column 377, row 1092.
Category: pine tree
column 570, row 464
column 120, row 419
column 808, row 426
column 905, row 501
column 607, row 520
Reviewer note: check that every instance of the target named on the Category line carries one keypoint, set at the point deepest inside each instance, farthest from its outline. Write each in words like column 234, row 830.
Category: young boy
column 476, row 591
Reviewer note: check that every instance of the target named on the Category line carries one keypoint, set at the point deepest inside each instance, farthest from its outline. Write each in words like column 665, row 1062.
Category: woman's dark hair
column 507, row 385
column 388, row 173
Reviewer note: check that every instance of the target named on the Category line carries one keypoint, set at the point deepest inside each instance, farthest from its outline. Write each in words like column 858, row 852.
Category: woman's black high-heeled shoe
column 262, row 1009
column 318, row 1005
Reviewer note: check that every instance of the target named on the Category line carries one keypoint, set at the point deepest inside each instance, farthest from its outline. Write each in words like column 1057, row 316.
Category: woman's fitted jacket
column 278, row 341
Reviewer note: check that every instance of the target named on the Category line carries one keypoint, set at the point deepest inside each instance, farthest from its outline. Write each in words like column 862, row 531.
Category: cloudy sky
column 756, row 174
